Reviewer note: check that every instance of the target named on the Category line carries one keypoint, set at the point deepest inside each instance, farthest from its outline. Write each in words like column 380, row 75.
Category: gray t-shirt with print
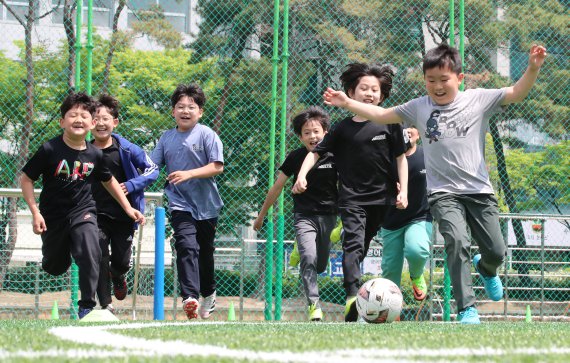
column 453, row 138
column 188, row 150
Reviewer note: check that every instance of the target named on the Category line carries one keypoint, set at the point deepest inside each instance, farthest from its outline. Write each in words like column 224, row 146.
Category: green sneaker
column 350, row 312
column 315, row 313
column 336, row 233
column 420, row 288
column 294, row 258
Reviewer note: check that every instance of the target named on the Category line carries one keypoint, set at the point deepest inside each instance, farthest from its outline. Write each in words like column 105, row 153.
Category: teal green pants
column 411, row 242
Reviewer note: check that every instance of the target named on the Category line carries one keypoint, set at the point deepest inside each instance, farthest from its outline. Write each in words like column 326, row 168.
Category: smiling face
column 187, row 113
column 104, row 124
column 311, row 134
column 413, row 135
column 76, row 123
column 442, row 84
column 367, row 91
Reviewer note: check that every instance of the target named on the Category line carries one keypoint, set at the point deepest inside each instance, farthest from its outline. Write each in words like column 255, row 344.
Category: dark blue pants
column 194, row 244
column 118, row 234
column 74, row 236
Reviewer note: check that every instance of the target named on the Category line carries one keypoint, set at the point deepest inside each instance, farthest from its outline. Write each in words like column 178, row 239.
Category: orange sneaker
column 420, row 288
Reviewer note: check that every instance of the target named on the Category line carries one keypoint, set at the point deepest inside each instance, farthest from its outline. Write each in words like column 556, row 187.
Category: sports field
column 71, row 341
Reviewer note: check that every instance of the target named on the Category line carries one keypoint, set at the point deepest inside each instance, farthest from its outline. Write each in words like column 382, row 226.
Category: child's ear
column 460, row 77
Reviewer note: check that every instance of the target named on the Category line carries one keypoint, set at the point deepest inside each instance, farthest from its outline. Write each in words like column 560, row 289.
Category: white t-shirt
column 453, row 137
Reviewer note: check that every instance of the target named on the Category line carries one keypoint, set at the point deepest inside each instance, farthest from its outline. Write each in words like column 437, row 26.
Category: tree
column 8, row 240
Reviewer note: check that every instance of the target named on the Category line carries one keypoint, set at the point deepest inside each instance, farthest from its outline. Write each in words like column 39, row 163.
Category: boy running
column 134, row 170
column 67, row 217
column 364, row 154
column 460, row 194
column 315, row 210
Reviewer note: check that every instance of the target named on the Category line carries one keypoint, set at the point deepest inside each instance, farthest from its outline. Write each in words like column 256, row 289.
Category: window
column 176, row 12
column 102, row 12
column 20, row 7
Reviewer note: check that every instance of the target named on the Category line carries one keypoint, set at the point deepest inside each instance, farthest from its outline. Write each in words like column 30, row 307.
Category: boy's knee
column 495, row 258
column 416, row 252
column 322, row 267
column 120, row 269
column 54, row 268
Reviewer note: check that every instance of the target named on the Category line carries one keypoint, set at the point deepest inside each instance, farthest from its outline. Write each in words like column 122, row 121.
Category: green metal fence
column 260, row 62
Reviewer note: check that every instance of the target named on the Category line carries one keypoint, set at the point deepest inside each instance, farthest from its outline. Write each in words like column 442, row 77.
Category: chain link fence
column 141, row 49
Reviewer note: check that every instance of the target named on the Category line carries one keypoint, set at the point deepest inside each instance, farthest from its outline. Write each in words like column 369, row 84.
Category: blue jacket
column 139, row 169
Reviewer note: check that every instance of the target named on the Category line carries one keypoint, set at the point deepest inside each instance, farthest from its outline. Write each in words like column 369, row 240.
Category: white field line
column 121, row 345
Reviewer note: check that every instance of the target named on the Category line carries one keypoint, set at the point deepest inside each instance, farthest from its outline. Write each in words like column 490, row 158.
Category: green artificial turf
column 505, row 342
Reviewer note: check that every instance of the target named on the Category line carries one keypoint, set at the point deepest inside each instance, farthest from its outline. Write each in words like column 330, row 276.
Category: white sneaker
column 207, row 305
column 190, row 305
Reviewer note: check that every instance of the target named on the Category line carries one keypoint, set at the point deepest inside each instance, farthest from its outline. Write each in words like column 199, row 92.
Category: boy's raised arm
column 270, row 199
column 301, row 183
column 521, row 89
column 371, row 112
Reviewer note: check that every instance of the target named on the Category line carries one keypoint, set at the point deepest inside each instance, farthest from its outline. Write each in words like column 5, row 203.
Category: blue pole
column 159, row 231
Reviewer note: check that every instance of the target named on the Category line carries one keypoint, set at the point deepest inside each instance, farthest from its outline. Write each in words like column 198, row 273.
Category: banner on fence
column 556, row 233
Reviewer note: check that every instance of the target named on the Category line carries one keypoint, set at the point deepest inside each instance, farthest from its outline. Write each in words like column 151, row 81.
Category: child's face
column 442, row 84
column 187, row 113
column 104, row 124
column 413, row 135
column 77, row 122
column 367, row 91
column 311, row 134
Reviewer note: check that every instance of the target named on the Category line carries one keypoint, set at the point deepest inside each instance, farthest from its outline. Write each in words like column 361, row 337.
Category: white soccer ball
column 379, row 301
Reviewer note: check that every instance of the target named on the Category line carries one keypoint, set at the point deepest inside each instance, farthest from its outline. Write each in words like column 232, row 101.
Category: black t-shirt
column 106, row 204
column 67, row 175
column 364, row 153
column 418, row 208
column 321, row 194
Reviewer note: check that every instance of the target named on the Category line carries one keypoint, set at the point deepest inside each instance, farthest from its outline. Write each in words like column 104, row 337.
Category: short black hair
column 191, row 90
column 75, row 99
column 355, row 71
column 442, row 56
column 110, row 103
column 314, row 113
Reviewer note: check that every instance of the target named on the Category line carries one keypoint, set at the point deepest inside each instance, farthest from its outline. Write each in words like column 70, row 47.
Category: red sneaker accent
column 120, row 288
column 190, row 307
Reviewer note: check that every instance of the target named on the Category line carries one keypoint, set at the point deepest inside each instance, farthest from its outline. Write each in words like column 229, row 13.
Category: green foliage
column 540, row 179
column 231, row 57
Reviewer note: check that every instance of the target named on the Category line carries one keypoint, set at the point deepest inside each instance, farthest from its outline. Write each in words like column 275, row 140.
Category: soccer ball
column 379, row 301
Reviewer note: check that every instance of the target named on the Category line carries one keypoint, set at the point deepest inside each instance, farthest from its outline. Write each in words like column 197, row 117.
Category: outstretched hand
column 335, row 98
column 536, row 56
